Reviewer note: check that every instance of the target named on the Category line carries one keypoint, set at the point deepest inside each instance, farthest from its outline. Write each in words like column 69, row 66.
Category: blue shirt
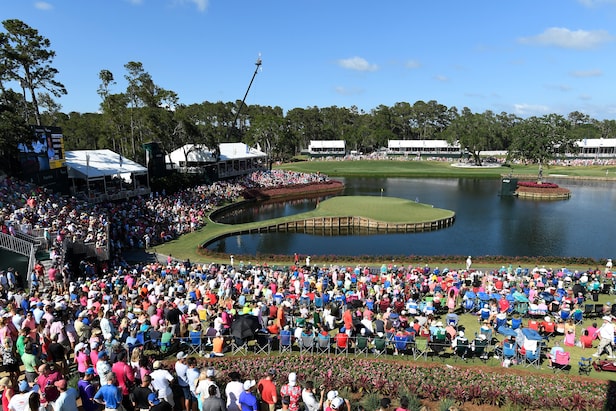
column 111, row 395
column 248, row 401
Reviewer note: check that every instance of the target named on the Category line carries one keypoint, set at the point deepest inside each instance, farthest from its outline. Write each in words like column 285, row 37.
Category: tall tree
column 31, row 59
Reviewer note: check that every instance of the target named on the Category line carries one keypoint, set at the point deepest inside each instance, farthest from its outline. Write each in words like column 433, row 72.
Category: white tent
column 191, row 155
column 92, row 164
column 100, row 167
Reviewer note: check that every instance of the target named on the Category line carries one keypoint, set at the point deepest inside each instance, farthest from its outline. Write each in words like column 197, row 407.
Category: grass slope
column 393, row 168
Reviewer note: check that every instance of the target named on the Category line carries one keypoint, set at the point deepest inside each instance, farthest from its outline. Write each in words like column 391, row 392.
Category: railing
column 20, row 246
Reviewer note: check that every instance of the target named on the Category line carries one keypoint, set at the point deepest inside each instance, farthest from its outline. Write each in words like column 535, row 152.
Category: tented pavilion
column 103, row 175
column 237, row 159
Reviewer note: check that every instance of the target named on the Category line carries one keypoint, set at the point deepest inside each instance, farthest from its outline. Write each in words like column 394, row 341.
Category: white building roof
column 326, row 144
column 100, row 163
column 234, row 151
column 196, row 153
column 596, row 142
column 420, row 144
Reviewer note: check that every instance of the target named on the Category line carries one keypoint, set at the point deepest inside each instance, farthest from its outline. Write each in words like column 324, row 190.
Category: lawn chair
column 286, row 342
column 462, row 350
column 342, row 344
column 400, row 343
column 194, row 342
column 263, row 343
column 589, row 310
column 380, row 346
column 561, row 362
column 532, row 353
column 510, row 351
column 420, row 348
column 578, row 316
column 438, row 344
column 239, row 346
column 306, row 343
column 585, row 366
column 361, row 345
column 323, row 344
column 480, row 349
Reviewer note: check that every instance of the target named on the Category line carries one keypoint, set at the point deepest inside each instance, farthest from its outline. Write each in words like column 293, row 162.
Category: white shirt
column 233, row 391
column 607, row 331
column 161, row 382
column 310, row 401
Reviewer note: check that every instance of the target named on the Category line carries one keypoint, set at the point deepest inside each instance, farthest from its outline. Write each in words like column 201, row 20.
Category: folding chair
column 561, row 362
column 342, row 344
column 589, row 310
column 578, row 316
column 286, row 342
column 361, row 345
column 194, row 342
column 263, row 343
column 380, row 346
column 420, row 348
column 585, row 366
column 306, row 343
column 510, row 351
column 462, row 349
column 239, row 346
column 323, row 344
column 400, row 343
column 480, row 349
column 532, row 355
column 438, row 344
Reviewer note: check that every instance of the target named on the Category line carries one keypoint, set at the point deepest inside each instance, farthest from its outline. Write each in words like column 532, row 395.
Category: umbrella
column 245, row 326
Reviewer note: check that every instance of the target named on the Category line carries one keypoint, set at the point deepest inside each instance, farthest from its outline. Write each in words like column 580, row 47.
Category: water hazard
column 486, row 224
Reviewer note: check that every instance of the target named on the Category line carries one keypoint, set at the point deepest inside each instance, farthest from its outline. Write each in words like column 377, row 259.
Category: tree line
column 147, row 112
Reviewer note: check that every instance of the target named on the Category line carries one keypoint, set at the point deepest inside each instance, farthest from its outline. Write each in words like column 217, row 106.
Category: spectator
column 247, row 400
column 267, row 391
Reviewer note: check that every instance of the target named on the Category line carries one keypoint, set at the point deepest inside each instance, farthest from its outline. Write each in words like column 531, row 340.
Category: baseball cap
column 210, row 372
column 337, row 402
column 248, row 384
column 102, row 354
column 272, row 371
column 156, row 365
column 61, row 384
column 292, row 379
column 24, row 386
column 153, row 398
column 331, row 395
column 181, row 355
column 90, row 371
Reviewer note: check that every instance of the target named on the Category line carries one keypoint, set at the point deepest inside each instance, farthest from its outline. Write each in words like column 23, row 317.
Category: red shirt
column 267, row 389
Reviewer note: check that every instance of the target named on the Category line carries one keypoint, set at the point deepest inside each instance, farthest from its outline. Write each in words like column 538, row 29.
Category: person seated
column 586, row 339
column 551, row 356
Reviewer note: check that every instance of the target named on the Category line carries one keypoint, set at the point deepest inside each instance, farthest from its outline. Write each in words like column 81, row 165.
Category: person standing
column 309, row 397
column 248, row 401
column 293, row 391
column 181, row 368
column 19, row 401
column 233, row 390
column 606, row 335
column 67, row 401
column 87, row 387
column 109, row 395
column 161, row 383
column 267, row 390
column 140, row 394
column 469, row 262
column 212, row 402
column 125, row 376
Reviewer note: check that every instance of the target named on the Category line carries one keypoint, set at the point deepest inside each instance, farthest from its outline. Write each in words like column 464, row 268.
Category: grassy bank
column 384, row 209
column 393, row 168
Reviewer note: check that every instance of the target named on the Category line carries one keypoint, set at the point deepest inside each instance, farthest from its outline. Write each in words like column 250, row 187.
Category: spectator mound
column 297, row 190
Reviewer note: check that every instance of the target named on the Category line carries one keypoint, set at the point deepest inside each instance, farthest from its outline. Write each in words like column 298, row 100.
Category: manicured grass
column 398, row 168
column 383, row 209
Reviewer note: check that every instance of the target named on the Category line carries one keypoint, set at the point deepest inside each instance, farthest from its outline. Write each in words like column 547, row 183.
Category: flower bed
column 468, row 384
column 331, row 186
column 535, row 184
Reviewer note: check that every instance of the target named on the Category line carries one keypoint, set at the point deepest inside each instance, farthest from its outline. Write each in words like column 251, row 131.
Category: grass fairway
column 394, row 168
column 383, row 209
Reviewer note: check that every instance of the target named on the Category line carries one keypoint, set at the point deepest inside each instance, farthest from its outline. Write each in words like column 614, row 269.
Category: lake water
column 486, row 223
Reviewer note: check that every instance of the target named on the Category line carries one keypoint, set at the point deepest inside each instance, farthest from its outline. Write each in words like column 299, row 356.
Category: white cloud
column 530, row 109
column 358, row 64
column 559, row 87
column 43, row 5
column 595, row 3
column 587, row 73
column 412, row 64
column 348, row 91
column 202, row 5
column 440, row 77
column 565, row 38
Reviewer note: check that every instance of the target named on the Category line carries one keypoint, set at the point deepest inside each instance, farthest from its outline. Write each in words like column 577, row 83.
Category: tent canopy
column 95, row 164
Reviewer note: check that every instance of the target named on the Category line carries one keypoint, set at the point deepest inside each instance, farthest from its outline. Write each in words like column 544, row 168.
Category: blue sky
column 524, row 57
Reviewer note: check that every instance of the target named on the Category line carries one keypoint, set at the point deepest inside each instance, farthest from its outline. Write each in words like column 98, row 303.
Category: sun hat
column 337, row 402
column 607, row 318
